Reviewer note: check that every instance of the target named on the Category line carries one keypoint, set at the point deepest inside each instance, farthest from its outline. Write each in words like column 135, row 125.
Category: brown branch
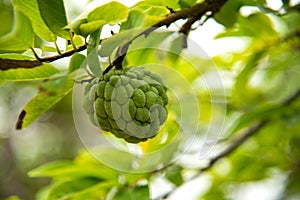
column 6, row 64
column 196, row 11
column 192, row 14
column 237, row 142
column 187, row 26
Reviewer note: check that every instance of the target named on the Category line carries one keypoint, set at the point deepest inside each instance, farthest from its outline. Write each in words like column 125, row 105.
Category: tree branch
column 193, row 14
column 6, row 64
column 237, row 142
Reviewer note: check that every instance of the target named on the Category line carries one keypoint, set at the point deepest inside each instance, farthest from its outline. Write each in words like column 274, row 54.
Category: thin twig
column 56, row 47
column 236, row 143
column 63, row 55
column 187, row 26
column 85, row 80
column 72, row 42
column 35, row 54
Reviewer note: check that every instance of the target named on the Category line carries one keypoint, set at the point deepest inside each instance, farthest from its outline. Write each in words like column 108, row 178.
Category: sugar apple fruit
column 129, row 103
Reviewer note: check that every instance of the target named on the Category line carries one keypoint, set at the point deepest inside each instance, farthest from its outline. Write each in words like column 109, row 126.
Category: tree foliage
column 258, row 104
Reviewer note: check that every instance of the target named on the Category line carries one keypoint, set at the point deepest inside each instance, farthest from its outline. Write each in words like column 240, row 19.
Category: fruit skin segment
column 130, row 103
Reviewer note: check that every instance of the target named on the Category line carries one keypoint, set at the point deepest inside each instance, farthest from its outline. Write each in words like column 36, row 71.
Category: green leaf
column 12, row 198
column 139, row 192
column 256, row 25
column 228, row 13
column 50, row 169
column 244, row 75
column 176, row 47
column 49, row 48
column 133, row 178
column 54, row 15
column 154, row 11
column 112, row 13
column 174, row 175
column 29, row 52
column 171, row 3
column 215, row 193
column 80, row 189
column 65, row 189
column 152, row 2
column 78, row 40
column 75, row 25
column 291, row 20
column 248, row 167
column 77, row 61
column 135, row 19
column 110, row 44
column 158, row 3
column 241, row 91
column 187, row 3
column 115, row 158
column 257, row 114
column 92, row 53
column 31, row 10
column 158, row 11
column 15, row 56
column 40, row 104
column 153, row 40
column 6, row 14
column 21, row 37
column 90, row 27
column 143, row 49
column 151, row 20
column 53, row 86
column 162, row 157
column 67, row 169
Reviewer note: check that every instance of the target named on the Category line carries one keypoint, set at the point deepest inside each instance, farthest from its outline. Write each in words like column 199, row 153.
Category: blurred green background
column 259, row 66
column 50, row 138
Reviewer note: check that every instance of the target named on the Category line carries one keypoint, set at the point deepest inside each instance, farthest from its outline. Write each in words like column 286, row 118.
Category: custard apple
column 130, row 103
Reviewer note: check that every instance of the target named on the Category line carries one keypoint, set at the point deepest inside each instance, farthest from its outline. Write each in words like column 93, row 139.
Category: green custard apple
column 130, row 103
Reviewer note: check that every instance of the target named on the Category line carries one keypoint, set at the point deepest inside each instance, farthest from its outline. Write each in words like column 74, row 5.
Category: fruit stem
column 116, row 63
